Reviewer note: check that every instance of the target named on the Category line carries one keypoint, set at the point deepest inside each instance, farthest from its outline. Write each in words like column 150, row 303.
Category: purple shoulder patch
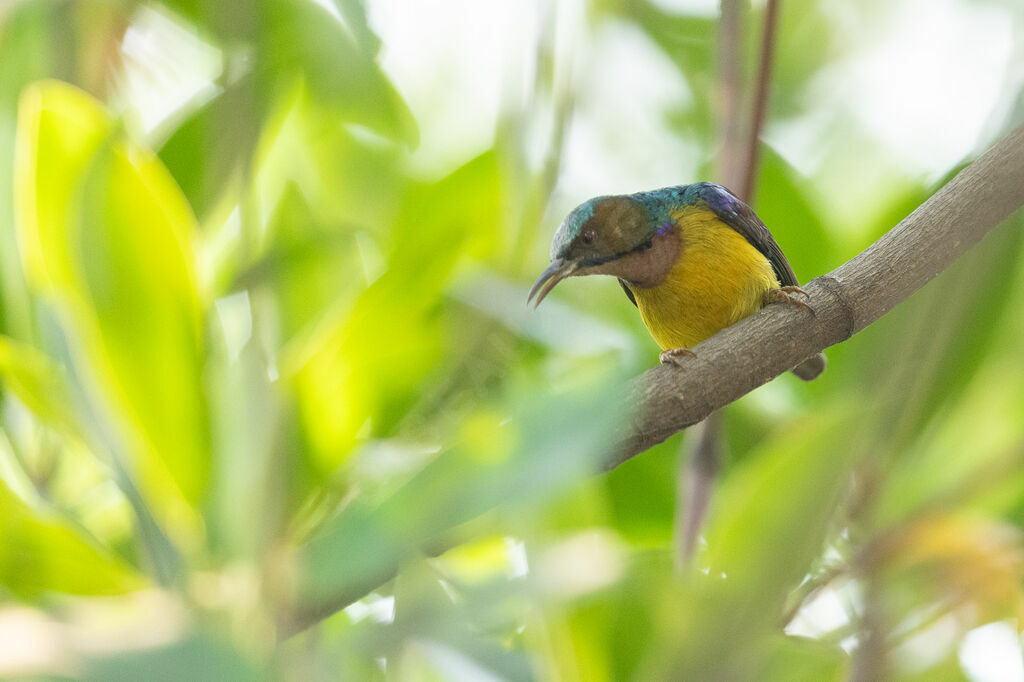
column 720, row 199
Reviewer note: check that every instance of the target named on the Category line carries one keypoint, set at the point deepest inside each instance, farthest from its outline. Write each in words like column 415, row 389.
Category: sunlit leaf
column 42, row 553
column 59, row 130
column 39, row 383
column 796, row 659
column 539, row 450
column 194, row 658
column 957, row 561
column 783, row 204
column 768, row 524
column 105, row 234
column 305, row 38
column 367, row 360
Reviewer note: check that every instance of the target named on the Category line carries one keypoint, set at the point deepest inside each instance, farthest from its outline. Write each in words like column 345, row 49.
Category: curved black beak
column 556, row 272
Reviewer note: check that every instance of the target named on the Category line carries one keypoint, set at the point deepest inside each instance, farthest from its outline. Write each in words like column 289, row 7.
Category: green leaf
column 23, row 28
column 105, row 235
column 197, row 657
column 305, row 39
column 547, row 443
column 368, row 360
column 41, row 553
column 784, row 206
column 59, row 129
column 767, row 526
column 39, row 383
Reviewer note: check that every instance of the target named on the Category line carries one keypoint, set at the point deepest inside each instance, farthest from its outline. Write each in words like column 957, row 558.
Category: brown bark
column 755, row 350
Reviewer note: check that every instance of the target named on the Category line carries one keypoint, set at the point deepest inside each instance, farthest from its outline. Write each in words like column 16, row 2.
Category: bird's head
column 610, row 235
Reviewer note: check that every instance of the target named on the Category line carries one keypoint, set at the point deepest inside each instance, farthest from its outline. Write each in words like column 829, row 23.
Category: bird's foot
column 673, row 355
column 789, row 295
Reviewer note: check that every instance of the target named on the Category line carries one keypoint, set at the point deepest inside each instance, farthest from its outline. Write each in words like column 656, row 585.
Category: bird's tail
column 809, row 369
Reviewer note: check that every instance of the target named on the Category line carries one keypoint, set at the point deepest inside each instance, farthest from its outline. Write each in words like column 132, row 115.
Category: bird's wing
column 629, row 294
column 740, row 217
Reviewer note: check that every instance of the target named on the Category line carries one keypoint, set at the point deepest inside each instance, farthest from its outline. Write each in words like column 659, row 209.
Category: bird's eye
column 588, row 237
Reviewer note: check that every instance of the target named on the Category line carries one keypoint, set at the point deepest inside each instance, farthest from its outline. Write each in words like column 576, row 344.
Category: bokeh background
column 267, row 366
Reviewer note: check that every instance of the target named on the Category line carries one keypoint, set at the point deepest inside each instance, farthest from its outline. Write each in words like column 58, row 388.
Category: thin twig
column 696, row 480
column 730, row 87
column 764, row 79
column 739, row 166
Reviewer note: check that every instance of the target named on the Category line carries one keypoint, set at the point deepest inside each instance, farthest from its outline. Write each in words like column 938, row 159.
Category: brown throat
column 642, row 267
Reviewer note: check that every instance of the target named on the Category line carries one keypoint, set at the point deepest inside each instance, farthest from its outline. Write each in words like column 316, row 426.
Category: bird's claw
column 795, row 290
column 789, row 295
column 673, row 356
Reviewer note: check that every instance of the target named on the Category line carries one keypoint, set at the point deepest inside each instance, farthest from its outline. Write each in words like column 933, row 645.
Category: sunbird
column 694, row 259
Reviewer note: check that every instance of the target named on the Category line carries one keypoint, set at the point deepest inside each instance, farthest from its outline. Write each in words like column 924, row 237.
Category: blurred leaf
column 435, row 630
column 106, row 235
column 953, row 561
column 796, row 659
column 807, row 37
column 934, row 359
column 303, row 37
column 784, row 206
column 251, row 476
column 689, row 41
column 59, row 130
column 934, row 352
column 369, row 359
column 40, row 384
column 198, row 657
column 216, row 142
column 613, row 633
column 642, row 494
column 767, row 526
column 534, row 453
column 23, row 28
column 41, row 554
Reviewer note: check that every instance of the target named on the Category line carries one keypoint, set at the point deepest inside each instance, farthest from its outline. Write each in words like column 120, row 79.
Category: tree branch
column 755, row 350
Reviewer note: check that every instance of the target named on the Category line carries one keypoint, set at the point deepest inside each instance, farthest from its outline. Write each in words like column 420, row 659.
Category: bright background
column 264, row 341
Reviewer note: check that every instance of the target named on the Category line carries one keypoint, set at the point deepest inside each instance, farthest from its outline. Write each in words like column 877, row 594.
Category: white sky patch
column 515, row 551
column 331, row 9
column 928, row 647
column 373, row 606
column 827, row 612
column 922, row 90
column 917, row 86
column 992, row 653
column 700, row 8
column 619, row 141
column 927, row 85
column 236, row 319
column 449, row 663
column 582, row 563
column 168, row 71
column 451, row 60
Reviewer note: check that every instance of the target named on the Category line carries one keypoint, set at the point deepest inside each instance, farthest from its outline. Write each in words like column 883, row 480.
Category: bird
column 694, row 259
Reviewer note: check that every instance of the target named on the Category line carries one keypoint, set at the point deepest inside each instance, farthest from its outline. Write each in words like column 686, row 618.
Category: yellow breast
column 719, row 279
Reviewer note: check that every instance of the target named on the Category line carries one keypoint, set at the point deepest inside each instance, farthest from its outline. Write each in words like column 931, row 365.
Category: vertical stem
column 730, row 88
column 746, row 188
column 737, row 164
column 868, row 662
column 694, row 482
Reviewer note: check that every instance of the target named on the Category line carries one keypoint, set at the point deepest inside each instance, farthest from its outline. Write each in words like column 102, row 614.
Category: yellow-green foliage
column 264, row 358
